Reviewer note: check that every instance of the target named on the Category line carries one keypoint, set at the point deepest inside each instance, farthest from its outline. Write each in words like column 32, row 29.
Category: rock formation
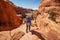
column 48, row 6
column 8, row 17
column 9, row 21
column 49, row 29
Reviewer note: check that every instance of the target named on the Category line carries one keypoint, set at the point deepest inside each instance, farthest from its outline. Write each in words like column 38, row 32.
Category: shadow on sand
column 37, row 34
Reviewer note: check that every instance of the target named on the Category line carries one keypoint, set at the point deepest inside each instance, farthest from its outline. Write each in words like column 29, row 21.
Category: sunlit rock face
column 8, row 17
column 49, row 3
column 8, row 22
column 48, row 28
column 48, row 6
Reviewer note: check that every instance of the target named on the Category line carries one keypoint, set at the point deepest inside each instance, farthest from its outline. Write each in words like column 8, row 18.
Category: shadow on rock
column 37, row 34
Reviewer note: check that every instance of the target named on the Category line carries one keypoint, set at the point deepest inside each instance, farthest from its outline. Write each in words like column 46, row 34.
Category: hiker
column 28, row 23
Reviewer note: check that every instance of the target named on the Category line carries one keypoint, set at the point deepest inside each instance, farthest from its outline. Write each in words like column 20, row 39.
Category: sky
column 30, row 4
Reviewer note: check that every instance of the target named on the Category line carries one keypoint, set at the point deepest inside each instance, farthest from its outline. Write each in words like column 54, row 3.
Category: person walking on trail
column 28, row 23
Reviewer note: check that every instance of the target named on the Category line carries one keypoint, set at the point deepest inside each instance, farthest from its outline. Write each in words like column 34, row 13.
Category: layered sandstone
column 49, row 29
column 48, row 6
column 9, row 21
column 8, row 17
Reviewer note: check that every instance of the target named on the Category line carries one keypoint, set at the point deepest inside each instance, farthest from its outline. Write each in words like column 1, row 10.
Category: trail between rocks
column 28, row 36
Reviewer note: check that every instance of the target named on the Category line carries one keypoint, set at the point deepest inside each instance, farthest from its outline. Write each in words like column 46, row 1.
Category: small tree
column 52, row 16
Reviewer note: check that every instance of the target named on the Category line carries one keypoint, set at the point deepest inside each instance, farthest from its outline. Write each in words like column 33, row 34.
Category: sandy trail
column 28, row 36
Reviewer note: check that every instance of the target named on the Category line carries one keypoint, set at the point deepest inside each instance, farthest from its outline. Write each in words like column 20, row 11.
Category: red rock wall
column 8, row 15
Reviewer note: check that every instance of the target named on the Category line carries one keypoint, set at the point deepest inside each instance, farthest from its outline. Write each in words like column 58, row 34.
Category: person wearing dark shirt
column 28, row 23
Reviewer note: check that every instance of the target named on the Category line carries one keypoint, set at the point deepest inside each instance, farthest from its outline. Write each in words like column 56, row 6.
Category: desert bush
column 52, row 16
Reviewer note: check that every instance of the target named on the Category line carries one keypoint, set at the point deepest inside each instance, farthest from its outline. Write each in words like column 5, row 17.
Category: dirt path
column 29, row 35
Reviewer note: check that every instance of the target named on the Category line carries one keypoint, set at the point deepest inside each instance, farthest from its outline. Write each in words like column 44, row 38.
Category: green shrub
column 52, row 16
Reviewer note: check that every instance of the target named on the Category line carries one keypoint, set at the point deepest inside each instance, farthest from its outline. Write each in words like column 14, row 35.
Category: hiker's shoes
column 27, row 31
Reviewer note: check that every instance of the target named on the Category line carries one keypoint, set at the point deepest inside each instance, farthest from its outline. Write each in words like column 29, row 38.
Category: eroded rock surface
column 8, row 17
column 48, row 6
column 8, row 21
column 49, row 29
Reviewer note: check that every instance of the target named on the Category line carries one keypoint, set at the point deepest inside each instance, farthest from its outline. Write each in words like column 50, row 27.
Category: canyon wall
column 48, row 19
column 8, row 16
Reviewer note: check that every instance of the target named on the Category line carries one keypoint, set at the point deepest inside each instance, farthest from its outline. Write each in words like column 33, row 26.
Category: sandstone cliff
column 48, row 20
column 8, row 17
column 8, row 22
column 48, row 6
